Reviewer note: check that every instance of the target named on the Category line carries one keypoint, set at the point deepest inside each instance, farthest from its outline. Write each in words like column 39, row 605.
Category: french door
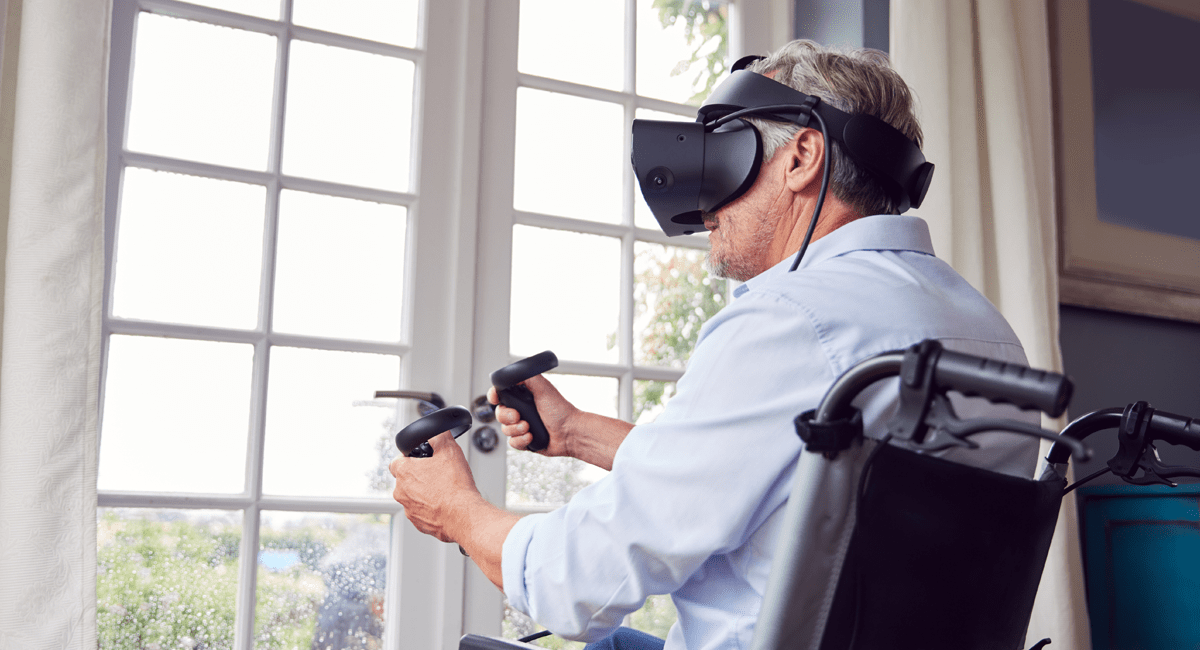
column 571, row 260
column 310, row 202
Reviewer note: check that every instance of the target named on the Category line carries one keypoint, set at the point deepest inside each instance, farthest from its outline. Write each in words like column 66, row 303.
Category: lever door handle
column 426, row 402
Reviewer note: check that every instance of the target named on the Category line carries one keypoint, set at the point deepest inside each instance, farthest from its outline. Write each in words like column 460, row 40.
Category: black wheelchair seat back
column 954, row 555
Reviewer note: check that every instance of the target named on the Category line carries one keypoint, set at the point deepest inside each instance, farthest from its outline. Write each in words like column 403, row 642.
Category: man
column 694, row 500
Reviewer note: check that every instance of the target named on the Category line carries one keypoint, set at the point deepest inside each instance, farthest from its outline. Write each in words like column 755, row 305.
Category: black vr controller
column 513, row 393
column 413, row 440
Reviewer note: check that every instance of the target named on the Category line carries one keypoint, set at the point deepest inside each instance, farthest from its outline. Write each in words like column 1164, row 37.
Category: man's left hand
column 436, row 491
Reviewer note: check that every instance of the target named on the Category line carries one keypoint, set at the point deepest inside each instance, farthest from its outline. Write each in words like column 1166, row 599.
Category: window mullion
column 248, row 568
column 247, row 580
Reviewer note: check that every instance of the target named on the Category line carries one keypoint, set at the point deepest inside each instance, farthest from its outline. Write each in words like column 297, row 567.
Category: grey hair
column 854, row 80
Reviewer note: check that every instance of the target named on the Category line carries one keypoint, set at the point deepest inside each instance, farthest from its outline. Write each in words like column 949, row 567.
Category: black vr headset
column 685, row 168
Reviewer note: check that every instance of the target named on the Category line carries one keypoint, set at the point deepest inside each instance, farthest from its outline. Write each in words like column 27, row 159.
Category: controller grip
column 413, row 440
column 515, row 395
column 521, row 398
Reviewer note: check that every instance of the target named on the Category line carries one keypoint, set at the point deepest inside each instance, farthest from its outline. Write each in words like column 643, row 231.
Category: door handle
column 426, row 402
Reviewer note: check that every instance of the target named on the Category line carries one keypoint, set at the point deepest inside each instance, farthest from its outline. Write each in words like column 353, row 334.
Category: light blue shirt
column 693, row 504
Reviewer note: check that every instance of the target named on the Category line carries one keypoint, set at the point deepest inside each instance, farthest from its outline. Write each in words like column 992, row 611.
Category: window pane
column 655, row 617
column 642, row 216
column 386, row 21
column 166, row 578
column 189, row 250
column 321, row 580
column 260, row 8
column 326, row 436
column 518, row 626
column 565, row 294
column 681, row 49
column 673, row 296
column 340, row 268
column 535, row 480
column 349, row 117
column 582, row 42
column 570, row 156
column 176, row 415
column 201, row 92
column 650, row 398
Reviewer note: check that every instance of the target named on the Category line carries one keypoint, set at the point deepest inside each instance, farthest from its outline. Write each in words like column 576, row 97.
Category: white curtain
column 981, row 73
column 52, row 173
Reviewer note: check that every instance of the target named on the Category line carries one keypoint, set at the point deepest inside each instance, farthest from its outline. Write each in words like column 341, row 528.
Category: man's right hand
column 554, row 410
column 574, row 433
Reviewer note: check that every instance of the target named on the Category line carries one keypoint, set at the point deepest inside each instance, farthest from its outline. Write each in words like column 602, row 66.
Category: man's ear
column 805, row 159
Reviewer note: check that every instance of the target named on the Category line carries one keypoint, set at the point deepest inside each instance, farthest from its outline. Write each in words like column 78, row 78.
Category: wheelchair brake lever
column 1155, row 473
column 944, row 429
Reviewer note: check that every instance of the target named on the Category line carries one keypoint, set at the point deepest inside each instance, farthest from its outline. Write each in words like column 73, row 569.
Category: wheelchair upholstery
column 942, row 556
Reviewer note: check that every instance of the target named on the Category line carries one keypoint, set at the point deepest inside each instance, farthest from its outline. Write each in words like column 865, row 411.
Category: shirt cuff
column 512, row 562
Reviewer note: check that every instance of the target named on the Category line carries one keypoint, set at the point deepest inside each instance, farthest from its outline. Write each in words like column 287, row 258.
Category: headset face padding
column 685, row 168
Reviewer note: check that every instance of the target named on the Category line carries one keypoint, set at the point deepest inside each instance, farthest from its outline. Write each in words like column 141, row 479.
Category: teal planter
column 1141, row 553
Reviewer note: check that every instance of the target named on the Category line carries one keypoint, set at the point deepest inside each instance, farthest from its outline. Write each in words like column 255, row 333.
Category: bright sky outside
column 188, row 249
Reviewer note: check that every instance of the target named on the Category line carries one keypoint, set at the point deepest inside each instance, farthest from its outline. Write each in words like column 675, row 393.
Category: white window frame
column 424, row 575
column 756, row 27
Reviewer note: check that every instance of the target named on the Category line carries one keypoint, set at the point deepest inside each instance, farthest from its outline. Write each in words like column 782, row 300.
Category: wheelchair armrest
column 477, row 642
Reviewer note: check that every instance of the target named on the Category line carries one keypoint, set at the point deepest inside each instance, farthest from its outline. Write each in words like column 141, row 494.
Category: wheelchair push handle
column 513, row 393
column 1176, row 429
column 1155, row 425
column 926, row 419
column 944, row 370
column 1022, row 386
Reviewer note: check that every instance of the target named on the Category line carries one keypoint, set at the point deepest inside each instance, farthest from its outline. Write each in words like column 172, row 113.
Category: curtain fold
column 981, row 73
column 52, row 153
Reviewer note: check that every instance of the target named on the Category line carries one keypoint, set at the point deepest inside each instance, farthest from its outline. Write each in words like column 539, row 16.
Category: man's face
column 741, row 233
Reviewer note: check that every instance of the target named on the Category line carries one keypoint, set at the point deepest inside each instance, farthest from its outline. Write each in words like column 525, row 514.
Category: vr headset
column 685, row 168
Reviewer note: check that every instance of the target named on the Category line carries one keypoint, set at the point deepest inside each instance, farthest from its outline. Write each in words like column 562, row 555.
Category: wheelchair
column 930, row 553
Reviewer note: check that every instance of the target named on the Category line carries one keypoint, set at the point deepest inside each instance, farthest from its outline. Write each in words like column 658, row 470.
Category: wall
column 860, row 23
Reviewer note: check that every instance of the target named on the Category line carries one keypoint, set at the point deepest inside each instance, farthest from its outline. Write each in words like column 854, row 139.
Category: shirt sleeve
column 696, row 483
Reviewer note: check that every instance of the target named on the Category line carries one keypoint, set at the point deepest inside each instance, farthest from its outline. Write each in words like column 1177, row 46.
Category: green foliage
column 675, row 296
column 655, row 617
column 167, row 581
column 706, row 26
column 679, row 296
column 165, row 584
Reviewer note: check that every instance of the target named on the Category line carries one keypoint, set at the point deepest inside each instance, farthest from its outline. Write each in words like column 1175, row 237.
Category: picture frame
column 1105, row 265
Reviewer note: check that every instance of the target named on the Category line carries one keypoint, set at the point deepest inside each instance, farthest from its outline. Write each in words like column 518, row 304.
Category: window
column 264, row 191
column 308, row 205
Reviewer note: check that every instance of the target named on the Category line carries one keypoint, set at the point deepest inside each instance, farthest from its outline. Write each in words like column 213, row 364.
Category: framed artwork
column 1127, row 123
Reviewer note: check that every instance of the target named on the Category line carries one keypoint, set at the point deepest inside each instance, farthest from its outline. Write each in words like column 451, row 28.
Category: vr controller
column 513, row 393
column 413, row 440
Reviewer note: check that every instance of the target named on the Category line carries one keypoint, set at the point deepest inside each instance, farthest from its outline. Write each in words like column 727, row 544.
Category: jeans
column 627, row 638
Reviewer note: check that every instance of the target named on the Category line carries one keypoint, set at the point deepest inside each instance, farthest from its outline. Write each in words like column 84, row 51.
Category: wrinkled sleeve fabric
column 696, row 483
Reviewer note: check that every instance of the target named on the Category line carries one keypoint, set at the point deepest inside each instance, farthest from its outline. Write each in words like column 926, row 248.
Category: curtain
column 981, row 73
column 52, row 174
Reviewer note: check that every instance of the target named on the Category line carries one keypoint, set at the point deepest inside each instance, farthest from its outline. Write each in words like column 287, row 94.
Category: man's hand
column 440, row 498
column 436, row 491
column 554, row 410
column 578, row 434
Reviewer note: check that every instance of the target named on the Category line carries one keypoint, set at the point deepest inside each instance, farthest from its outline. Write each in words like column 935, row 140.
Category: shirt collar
column 892, row 232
